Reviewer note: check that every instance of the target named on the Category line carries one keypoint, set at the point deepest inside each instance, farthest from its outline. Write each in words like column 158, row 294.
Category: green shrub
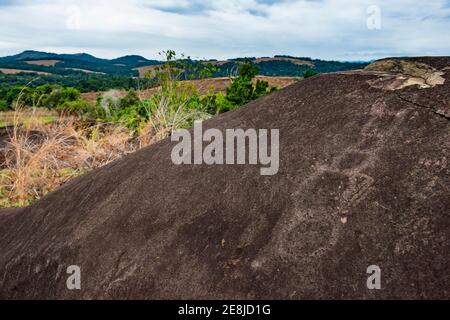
column 4, row 105
column 309, row 73
column 222, row 104
column 261, row 88
column 82, row 109
column 128, row 117
column 19, row 96
column 51, row 97
column 131, row 99
column 242, row 90
column 45, row 89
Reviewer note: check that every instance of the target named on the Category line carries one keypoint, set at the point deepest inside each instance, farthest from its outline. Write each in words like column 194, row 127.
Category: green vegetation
column 279, row 66
column 65, row 63
column 57, row 135
column 45, row 96
column 242, row 89
column 62, row 93
column 309, row 73
column 86, row 73
column 176, row 105
column 175, row 96
column 3, row 105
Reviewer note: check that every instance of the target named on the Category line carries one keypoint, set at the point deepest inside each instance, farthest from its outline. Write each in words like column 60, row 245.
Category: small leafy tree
column 82, row 109
column 309, row 73
column 261, row 88
column 130, row 100
column 69, row 94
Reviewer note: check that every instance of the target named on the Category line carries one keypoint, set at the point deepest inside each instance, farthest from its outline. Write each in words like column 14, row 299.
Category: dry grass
column 165, row 118
column 146, row 69
column 27, row 117
column 45, row 63
column 39, row 157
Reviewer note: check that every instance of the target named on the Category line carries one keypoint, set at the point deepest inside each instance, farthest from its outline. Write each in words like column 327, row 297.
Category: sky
column 346, row 30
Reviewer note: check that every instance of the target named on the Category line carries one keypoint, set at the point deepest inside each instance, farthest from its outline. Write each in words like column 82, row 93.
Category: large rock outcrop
column 364, row 180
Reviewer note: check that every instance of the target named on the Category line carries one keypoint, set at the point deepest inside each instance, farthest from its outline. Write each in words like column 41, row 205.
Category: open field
column 294, row 61
column 144, row 70
column 42, row 116
column 45, row 63
column 17, row 71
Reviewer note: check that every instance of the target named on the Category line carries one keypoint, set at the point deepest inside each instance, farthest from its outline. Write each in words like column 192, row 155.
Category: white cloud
column 328, row 29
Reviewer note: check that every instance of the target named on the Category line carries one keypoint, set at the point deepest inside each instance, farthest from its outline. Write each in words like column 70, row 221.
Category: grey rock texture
column 364, row 180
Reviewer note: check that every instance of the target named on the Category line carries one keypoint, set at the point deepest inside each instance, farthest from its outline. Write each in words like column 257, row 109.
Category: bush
column 129, row 117
column 309, row 73
column 70, row 94
column 242, row 90
column 215, row 103
column 82, row 109
column 19, row 95
column 130, row 100
column 47, row 96
column 4, row 105
column 261, row 88
column 45, row 89
column 51, row 97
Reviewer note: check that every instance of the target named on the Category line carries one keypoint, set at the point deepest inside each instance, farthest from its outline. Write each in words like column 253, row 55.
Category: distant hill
column 287, row 66
column 134, row 61
column 90, row 74
column 68, row 64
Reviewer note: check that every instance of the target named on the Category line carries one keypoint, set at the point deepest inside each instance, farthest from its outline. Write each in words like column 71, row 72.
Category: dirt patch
column 85, row 70
column 46, row 63
column 17, row 71
column 143, row 71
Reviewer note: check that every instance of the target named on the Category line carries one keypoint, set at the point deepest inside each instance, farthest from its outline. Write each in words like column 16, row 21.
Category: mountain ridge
column 279, row 65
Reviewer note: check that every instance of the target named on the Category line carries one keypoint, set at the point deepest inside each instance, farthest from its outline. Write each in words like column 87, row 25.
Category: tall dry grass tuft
column 40, row 157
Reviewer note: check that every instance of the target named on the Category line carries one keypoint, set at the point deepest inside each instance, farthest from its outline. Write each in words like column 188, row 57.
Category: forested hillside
column 88, row 73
